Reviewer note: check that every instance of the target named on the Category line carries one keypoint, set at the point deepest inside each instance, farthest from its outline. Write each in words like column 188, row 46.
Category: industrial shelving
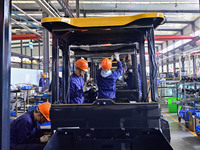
column 187, row 101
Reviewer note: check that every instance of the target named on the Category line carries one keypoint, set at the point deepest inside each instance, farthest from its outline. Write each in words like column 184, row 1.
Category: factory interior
column 100, row 74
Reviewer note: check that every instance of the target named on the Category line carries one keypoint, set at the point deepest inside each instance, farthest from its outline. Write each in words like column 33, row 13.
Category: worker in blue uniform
column 106, row 79
column 25, row 131
column 128, row 73
column 43, row 82
column 77, row 82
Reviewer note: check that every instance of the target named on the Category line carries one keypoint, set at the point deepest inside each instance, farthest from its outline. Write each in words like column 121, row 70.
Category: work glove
column 45, row 138
column 89, row 81
column 116, row 56
column 85, row 88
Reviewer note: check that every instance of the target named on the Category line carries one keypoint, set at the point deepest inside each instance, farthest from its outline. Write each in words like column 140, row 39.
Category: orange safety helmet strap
column 44, row 109
column 106, row 64
column 82, row 64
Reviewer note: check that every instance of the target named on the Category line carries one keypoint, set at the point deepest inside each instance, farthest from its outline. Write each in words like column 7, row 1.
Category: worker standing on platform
column 106, row 79
column 43, row 82
column 77, row 82
column 25, row 131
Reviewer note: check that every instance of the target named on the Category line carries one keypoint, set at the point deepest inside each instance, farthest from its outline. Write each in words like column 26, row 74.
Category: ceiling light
column 28, row 14
column 23, row 2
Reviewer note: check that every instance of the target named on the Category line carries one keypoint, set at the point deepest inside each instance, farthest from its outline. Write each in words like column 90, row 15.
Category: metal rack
column 163, row 90
column 197, row 107
column 187, row 100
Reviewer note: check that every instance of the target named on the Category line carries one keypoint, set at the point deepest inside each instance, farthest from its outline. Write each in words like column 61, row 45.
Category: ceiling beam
column 179, row 22
column 124, row 10
column 169, row 30
column 144, row 11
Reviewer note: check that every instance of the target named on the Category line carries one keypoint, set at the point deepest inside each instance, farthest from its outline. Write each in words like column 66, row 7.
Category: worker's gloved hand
column 45, row 138
column 116, row 56
column 86, row 88
column 89, row 81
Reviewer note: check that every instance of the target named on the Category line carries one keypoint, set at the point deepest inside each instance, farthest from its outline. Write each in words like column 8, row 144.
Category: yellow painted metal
column 102, row 21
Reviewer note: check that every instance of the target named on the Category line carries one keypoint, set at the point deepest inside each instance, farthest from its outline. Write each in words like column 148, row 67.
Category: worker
column 106, row 79
column 43, row 82
column 25, row 131
column 128, row 73
column 77, row 82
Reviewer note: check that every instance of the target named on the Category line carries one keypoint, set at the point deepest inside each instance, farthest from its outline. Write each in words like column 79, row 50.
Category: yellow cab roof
column 102, row 30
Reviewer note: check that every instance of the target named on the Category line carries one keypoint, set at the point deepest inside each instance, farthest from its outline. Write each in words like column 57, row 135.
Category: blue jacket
column 42, row 83
column 24, row 130
column 107, row 85
column 76, row 89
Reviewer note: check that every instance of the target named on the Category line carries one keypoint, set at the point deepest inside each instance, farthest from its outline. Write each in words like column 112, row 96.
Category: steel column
column 31, row 56
column 167, row 56
column 92, row 69
column 66, row 75
column 183, row 66
column 182, row 58
column 5, row 56
column 152, row 65
column 39, row 49
column 21, row 47
column 46, row 46
column 174, row 59
column 55, row 69
column 162, row 58
column 135, row 77
column 143, row 69
column 193, row 28
column 84, row 14
column 194, row 66
column 77, row 9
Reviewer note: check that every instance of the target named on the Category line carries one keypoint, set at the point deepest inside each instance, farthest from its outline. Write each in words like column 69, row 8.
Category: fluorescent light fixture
column 23, row 2
column 28, row 14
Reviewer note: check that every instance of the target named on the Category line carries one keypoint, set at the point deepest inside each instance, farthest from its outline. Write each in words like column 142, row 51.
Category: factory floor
column 181, row 137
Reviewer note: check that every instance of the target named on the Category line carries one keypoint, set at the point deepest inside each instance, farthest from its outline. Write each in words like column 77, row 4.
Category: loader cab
column 106, row 124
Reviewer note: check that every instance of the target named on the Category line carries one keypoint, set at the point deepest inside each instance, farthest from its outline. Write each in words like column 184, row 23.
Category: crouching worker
column 25, row 131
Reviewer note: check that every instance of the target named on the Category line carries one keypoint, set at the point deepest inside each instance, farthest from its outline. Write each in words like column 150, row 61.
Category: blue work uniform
column 25, row 131
column 107, row 85
column 42, row 83
column 76, row 89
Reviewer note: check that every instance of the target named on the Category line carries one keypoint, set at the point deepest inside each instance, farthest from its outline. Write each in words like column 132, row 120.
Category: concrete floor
column 181, row 138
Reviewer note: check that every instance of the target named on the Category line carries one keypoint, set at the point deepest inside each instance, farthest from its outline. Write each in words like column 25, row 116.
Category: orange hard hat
column 44, row 109
column 106, row 64
column 127, row 58
column 44, row 75
column 82, row 64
